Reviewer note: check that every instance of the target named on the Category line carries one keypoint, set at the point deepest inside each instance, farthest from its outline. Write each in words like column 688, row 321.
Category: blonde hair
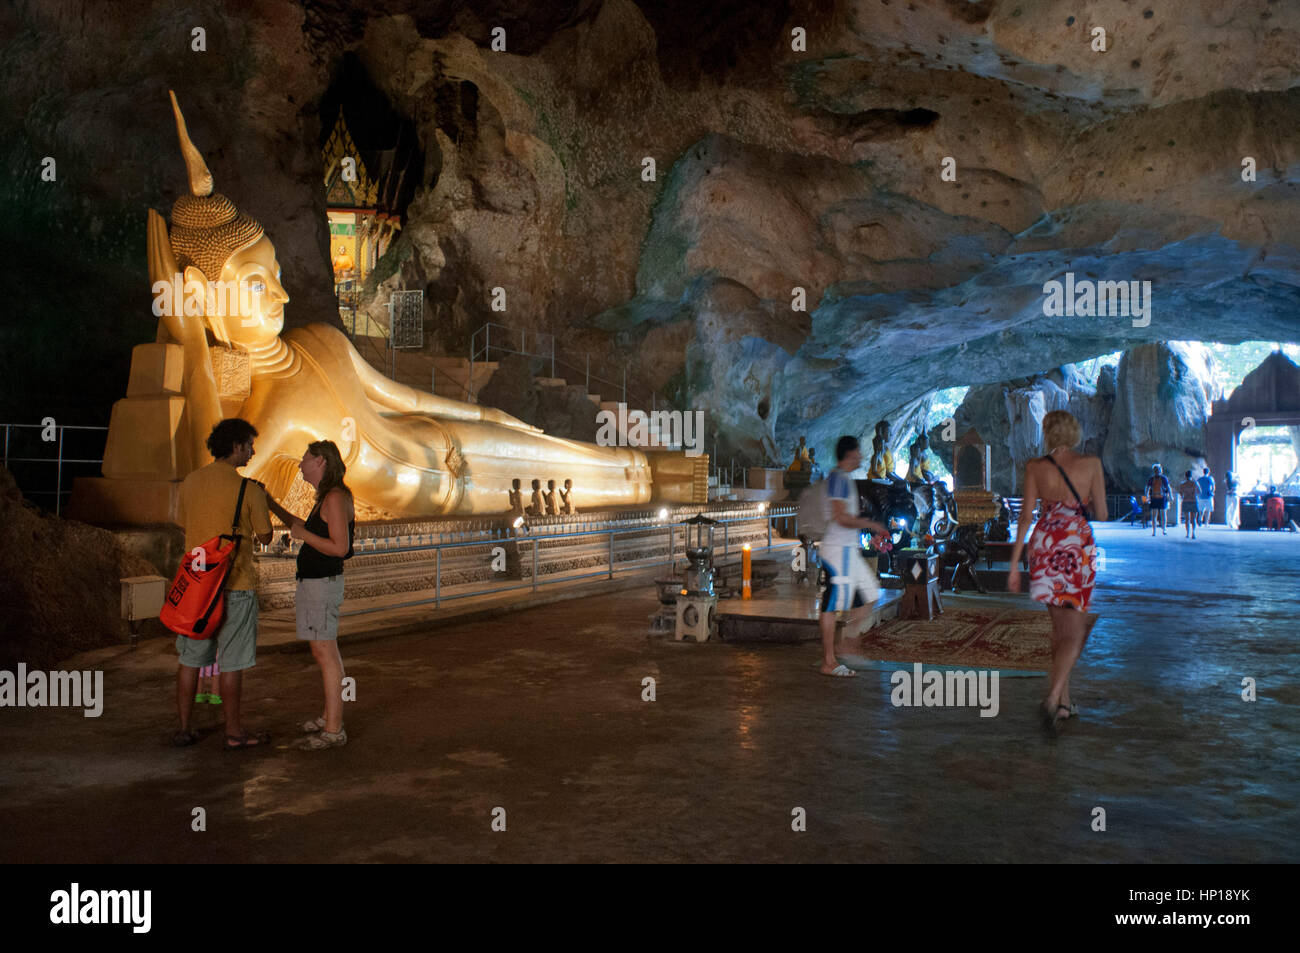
column 1060, row 429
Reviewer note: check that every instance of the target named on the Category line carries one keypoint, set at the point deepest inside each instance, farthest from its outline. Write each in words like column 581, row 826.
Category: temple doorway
column 1239, row 429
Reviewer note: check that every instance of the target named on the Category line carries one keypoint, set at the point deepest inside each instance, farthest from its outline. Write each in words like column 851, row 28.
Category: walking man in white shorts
column 853, row 586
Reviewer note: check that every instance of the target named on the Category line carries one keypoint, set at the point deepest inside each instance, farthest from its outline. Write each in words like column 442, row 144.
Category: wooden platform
column 786, row 612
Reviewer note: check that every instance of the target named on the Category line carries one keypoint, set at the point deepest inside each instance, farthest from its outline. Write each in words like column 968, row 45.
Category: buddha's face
column 262, row 308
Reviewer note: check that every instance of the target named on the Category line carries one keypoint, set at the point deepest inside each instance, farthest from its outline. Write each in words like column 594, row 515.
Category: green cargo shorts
column 234, row 647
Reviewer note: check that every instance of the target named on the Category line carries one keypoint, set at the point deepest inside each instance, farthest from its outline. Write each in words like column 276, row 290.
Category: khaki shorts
column 234, row 647
column 318, row 602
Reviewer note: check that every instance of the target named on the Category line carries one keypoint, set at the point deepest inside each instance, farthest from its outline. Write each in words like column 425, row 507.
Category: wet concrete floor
column 541, row 714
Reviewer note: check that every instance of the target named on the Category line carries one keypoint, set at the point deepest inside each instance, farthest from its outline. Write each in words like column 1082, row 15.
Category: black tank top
column 312, row 563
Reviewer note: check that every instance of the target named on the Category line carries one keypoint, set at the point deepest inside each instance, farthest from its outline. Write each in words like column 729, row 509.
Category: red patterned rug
column 972, row 638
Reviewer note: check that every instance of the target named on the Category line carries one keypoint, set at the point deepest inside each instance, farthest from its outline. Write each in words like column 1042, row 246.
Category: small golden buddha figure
column 537, row 507
column 800, row 461
column 408, row 453
column 918, row 461
column 566, row 499
column 552, row 500
column 882, row 460
column 516, row 498
column 343, row 263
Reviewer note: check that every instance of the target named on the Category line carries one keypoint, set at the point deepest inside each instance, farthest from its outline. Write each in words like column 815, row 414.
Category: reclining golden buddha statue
column 408, row 453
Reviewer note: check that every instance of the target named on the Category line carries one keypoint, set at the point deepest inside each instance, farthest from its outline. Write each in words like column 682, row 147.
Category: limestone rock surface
column 1162, row 400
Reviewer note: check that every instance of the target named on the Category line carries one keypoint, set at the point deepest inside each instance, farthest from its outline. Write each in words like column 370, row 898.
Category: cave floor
column 542, row 714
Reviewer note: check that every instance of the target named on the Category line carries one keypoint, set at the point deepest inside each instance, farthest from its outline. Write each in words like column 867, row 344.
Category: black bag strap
column 239, row 506
column 1083, row 509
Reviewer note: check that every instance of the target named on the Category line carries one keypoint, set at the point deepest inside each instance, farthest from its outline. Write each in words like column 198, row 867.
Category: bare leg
column 232, row 684
column 326, row 652
column 1069, row 627
column 829, row 662
column 186, row 680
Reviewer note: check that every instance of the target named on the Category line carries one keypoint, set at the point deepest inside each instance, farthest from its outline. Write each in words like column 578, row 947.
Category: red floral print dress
column 1062, row 557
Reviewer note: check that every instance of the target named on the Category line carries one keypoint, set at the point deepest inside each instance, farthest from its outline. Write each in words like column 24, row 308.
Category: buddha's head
column 214, row 242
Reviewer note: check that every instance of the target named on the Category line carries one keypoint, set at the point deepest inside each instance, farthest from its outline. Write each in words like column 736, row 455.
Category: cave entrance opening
column 1246, row 428
column 1266, row 456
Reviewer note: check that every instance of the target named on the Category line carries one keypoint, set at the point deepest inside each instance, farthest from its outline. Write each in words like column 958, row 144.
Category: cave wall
column 776, row 170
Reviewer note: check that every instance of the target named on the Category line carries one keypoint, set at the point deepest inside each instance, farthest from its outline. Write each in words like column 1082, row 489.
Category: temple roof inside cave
column 1171, row 157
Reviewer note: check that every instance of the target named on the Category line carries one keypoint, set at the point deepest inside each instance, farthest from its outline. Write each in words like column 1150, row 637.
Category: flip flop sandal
column 313, row 726
column 214, row 699
column 841, row 671
column 259, row 739
column 183, row 739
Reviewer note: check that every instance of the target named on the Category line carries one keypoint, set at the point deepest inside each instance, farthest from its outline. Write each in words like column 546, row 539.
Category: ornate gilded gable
column 340, row 193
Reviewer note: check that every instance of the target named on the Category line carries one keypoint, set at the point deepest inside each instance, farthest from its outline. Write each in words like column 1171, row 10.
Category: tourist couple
column 206, row 497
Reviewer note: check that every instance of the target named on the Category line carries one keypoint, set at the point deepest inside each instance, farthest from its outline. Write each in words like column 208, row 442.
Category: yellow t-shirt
column 207, row 502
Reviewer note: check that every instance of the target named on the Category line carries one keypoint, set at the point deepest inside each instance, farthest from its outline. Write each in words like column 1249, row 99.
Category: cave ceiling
column 776, row 169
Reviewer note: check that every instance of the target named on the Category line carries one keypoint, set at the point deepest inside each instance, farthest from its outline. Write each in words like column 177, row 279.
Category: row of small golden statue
column 882, row 458
column 805, row 461
column 550, row 503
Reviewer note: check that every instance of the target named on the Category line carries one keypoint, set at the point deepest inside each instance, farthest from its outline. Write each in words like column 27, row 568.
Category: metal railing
column 482, row 345
column 674, row 531
column 58, row 460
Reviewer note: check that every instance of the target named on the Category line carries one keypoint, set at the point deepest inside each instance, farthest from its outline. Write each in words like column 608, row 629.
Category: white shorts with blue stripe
column 853, row 584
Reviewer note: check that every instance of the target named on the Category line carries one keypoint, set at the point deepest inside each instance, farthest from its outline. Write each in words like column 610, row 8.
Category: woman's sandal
column 250, row 739
column 183, row 739
column 324, row 739
column 1052, row 719
column 313, row 726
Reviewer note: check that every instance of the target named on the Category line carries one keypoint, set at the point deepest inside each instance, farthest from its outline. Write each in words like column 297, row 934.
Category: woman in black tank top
column 326, row 541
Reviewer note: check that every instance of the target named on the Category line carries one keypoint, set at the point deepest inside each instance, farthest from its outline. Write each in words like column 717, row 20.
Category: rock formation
column 1163, row 398
column 784, row 177
column 1009, row 416
column 59, row 584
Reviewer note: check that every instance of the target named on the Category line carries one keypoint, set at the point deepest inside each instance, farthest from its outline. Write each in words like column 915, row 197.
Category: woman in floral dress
column 1066, row 485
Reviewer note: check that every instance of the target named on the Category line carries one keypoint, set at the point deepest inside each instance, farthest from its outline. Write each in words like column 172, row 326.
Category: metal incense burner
column 697, row 605
column 699, row 555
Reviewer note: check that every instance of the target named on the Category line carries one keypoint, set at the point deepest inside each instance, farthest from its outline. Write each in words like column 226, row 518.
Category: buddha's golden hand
column 188, row 331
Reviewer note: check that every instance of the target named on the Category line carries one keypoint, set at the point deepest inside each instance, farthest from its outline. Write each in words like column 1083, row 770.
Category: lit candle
column 745, row 568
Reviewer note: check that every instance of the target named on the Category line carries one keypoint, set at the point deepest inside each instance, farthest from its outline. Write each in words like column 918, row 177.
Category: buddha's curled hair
column 206, row 228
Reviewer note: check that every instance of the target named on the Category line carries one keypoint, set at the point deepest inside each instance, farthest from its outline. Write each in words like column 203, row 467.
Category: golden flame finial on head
column 206, row 227
column 200, row 177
